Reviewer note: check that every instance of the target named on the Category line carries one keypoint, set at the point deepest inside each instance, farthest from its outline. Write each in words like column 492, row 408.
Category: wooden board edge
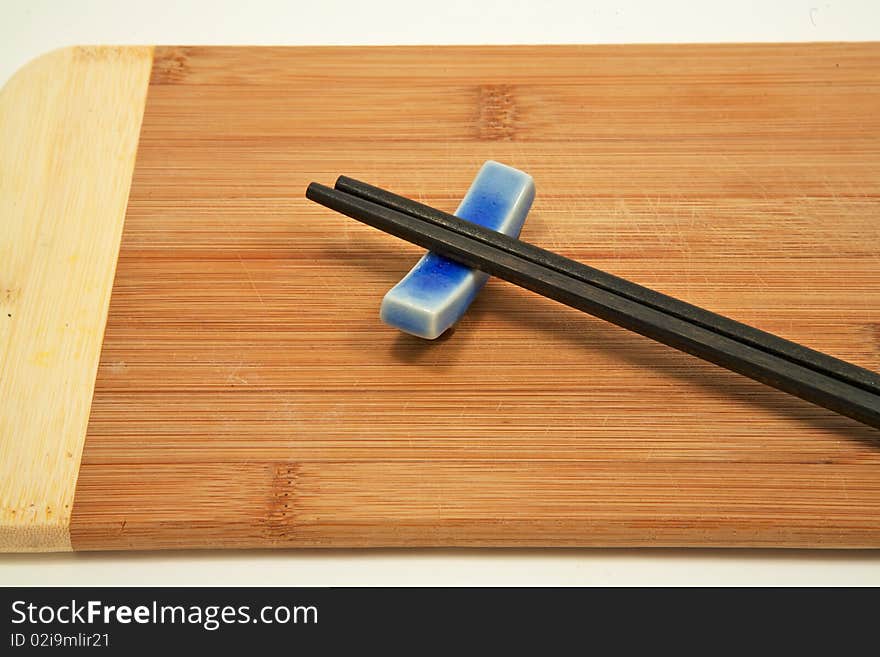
column 69, row 128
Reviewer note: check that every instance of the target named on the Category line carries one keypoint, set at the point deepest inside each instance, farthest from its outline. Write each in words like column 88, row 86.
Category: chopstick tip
column 314, row 190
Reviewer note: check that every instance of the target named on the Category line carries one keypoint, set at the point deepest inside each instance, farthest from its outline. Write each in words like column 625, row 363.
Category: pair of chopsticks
column 811, row 375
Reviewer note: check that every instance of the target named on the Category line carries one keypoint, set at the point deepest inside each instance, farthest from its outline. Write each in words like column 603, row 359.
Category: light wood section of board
column 249, row 396
column 69, row 124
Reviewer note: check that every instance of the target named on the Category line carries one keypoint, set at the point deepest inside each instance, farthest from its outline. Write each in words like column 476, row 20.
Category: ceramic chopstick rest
column 437, row 291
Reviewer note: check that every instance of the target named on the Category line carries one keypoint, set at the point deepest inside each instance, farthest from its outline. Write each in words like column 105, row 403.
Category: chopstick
column 559, row 278
column 774, row 344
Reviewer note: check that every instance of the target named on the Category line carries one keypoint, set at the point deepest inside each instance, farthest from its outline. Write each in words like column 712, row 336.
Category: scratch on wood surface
column 233, row 376
column 250, row 278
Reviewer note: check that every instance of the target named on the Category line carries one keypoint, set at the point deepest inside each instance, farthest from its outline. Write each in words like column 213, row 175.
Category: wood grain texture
column 69, row 124
column 247, row 394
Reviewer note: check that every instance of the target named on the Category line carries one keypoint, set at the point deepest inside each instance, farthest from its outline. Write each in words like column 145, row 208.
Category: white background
column 29, row 28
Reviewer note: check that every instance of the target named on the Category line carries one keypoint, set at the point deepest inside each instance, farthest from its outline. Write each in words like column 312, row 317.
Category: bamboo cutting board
column 192, row 355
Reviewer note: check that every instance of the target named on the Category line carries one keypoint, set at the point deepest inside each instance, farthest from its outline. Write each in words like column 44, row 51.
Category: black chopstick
column 815, row 360
column 786, row 375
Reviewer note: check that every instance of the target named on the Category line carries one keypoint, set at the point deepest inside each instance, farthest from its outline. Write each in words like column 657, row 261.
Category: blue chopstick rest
column 437, row 291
